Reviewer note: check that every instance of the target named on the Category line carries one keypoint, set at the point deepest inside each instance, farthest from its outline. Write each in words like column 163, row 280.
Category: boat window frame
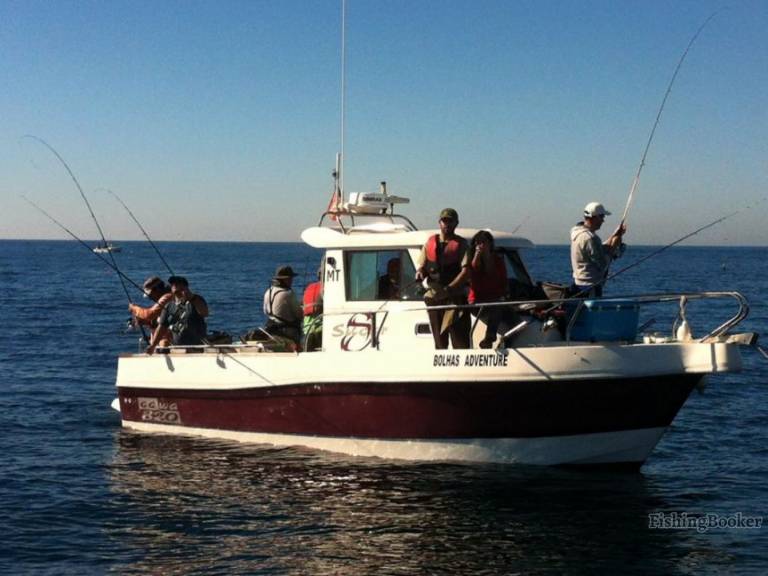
column 407, row 274
column 518, row 268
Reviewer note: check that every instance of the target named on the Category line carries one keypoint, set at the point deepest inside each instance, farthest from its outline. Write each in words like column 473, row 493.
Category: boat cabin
column 371, row 298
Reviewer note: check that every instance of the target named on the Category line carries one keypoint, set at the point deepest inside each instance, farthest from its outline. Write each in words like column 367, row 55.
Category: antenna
column 340, row 159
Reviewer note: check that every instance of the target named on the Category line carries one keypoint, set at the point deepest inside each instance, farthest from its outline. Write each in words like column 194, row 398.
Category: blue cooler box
column 605, row 320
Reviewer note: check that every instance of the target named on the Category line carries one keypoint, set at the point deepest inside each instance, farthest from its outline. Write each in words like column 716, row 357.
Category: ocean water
column 79, row 495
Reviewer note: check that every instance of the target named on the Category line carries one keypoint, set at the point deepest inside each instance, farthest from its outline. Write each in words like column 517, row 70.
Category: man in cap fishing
column 590, row 257
column 282, row 309
column 184, row 316
column 157, row 291
column 442, row 265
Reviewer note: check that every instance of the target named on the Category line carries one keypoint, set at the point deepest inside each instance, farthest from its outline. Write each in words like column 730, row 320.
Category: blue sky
column 220, row 120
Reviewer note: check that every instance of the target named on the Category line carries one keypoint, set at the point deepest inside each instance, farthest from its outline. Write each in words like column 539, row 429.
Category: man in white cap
column 590, row 257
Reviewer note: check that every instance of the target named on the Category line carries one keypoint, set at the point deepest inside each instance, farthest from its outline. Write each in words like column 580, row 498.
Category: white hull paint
column 213, row 371
column 627, row 446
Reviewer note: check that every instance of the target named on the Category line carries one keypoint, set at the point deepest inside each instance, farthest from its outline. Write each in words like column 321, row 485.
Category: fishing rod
column 83, row 243
column 636, row 180
column 88, row 204
column 521, row 224
column 582, row 293
column 143, row 231
column 681, row 239
column 119, row 272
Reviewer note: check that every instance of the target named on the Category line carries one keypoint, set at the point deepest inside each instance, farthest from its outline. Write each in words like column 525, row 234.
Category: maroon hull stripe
column 421, row 409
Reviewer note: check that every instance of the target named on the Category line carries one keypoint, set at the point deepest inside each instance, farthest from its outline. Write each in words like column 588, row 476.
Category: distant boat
column 105, row 248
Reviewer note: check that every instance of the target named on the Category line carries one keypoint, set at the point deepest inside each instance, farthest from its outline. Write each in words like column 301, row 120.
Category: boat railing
column 339, row 217
column 550, row 305
column 542, row 306
column 249, row 346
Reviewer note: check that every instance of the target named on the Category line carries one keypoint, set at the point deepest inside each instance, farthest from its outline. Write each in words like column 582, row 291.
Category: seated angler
column 184, row 317
column 282, row 309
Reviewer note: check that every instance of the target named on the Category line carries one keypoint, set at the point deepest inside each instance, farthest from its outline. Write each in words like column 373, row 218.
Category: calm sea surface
column 79, row 495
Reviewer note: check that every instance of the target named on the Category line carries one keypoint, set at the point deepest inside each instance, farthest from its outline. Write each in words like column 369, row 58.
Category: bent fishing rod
column 88, row 204
column 84, row 244
column 143, row 231
column 582, row 293
column 636, row 180
column 117, row 270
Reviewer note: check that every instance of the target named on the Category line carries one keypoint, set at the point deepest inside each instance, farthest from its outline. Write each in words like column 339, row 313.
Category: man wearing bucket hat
column 282, row 309
column 590, row 257
column 441, row 263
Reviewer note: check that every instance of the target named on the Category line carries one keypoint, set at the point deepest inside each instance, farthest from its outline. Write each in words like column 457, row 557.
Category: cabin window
column 515, row 268
column 521, row 285
column 380, row 275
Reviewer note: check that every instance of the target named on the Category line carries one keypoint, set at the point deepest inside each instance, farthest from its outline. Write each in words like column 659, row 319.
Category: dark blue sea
column 79, row 495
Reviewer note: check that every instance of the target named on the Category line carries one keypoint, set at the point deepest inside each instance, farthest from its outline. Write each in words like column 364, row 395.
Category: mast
column 340, row 156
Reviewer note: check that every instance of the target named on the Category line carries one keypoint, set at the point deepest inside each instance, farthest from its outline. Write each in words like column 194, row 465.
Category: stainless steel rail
column 526, row 305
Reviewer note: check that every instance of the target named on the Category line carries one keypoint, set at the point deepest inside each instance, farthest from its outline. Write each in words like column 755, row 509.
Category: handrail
column 522, row 305
column 527, row 304
column 353, row 215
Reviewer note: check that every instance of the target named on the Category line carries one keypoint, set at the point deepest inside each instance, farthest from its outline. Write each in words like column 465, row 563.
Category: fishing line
column 636, row 180
column 83, row 243
column 523, row 324
column 689, row 235
column 143, row 231
column 88, row 204
column 219, row 350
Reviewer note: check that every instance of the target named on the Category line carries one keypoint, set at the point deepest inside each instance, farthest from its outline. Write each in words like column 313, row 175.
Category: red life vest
column 313, row 299
column 447, row 262
column 488, row 285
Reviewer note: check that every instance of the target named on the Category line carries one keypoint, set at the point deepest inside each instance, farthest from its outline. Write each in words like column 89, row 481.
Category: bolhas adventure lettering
column 481, row 360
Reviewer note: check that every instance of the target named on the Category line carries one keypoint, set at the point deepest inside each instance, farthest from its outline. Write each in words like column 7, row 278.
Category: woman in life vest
column 487, row 282
column 441, row 264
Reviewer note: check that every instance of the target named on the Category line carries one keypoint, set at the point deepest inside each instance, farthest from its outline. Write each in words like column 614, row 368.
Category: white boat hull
column 629, row 448
column 580, row 405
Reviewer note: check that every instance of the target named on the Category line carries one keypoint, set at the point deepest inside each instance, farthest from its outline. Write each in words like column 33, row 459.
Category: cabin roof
column 394, row 236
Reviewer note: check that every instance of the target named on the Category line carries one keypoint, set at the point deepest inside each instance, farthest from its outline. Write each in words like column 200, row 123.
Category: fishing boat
column 582, row 388
column 106, row 247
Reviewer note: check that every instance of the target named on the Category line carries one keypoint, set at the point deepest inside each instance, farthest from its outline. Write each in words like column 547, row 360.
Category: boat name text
column 479, row 360
column 155, row 410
